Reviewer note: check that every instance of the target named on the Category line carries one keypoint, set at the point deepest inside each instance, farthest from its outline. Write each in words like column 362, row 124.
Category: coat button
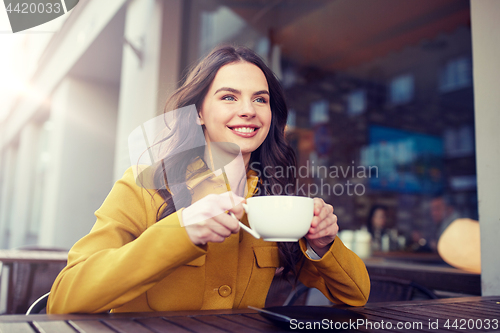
column 225, row 290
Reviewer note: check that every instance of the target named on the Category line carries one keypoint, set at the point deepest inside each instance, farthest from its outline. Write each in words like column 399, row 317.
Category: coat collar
column 198, row 164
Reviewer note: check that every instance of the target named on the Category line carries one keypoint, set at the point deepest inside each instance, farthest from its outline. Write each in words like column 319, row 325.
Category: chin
column 246, row 151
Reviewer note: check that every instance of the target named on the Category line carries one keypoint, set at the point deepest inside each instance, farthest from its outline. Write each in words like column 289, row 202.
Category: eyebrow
column 235, row 91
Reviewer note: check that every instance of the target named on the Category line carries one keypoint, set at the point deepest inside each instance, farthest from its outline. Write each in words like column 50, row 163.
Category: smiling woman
column 145, row 253
column 237, row 108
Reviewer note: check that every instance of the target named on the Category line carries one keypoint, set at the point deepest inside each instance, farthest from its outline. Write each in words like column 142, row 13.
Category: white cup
column 347, row 237
column 279, row 218
column 363, row 247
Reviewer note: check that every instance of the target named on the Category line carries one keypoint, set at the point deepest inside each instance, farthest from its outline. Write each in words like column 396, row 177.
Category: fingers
column 223, row 225
column 324, row 222
column 318, row 205
column 215, row 229
column 227, row 222
column 210, row 206
column 325, row 211
column 237, row 199
column 201, row 235
column 321, row 211
column 327, row 227
column 238, row 210
column 207, row 220
column 219, row 230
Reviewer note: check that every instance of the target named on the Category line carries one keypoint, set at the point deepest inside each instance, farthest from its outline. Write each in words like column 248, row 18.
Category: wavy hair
column 274, row 151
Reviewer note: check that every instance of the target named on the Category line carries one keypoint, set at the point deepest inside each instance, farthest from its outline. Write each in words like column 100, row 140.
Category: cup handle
column 244, row 227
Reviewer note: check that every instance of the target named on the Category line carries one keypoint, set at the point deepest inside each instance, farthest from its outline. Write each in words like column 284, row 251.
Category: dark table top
column 435, row 275
column 471, row 314
column 416, row 257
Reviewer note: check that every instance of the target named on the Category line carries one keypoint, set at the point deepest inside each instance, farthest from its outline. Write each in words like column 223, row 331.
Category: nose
column 247, row 111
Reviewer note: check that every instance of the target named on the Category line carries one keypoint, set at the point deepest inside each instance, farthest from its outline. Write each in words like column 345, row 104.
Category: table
column 441, row 311
column 416, row 257
column 9, row 257
column 434, row 276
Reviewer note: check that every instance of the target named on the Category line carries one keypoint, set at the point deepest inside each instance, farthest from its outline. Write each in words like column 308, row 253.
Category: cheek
column 267, row 118
column 214, row 120
column 267, row 122
column 222, row 116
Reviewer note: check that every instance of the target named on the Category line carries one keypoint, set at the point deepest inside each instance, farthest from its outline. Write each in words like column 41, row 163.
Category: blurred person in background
column 442, row 214
column 377, row 225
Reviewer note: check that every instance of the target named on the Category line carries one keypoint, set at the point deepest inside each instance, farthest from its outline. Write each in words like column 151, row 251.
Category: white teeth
column 244, row 129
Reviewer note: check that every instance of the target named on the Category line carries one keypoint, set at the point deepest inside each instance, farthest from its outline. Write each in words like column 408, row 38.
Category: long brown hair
column 274, row 152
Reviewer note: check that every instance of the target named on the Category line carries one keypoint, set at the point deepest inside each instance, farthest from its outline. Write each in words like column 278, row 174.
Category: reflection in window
column 459, row 142
column 356, row 102
column 262, row 46
column 319, row 112
column 456, row 74
column 340, row 82
column 289, row 78
column 218, row 26
column 291, row 120
column 408, row 162
column 402, row 89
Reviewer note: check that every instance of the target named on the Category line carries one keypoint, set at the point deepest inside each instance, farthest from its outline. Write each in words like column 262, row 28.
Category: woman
column 377, row 225
column 139, row 257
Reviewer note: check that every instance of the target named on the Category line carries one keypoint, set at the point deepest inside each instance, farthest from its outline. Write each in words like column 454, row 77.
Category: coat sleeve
column 340, row 275
column 126, row 253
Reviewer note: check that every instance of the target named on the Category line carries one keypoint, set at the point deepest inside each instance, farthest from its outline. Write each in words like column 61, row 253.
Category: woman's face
column 236, row 108
column 379, row 218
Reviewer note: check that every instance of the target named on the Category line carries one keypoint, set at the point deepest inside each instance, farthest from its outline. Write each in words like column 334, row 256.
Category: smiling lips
column 244, row 131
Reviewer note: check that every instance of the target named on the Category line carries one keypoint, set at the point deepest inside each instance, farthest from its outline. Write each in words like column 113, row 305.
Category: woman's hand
column 323, row 228
column 207, row 221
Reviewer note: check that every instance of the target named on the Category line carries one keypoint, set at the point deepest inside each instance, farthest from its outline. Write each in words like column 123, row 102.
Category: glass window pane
column 381, row 95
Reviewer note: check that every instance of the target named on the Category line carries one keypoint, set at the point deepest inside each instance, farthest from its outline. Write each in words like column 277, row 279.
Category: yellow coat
column 129, row 262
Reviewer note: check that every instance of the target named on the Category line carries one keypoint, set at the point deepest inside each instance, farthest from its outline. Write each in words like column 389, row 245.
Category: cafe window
column 455, row 74
column 459, row 142
column 291, row 120
column 356, row 102
column 401, row 89
column 365, row 97
column 319, row 112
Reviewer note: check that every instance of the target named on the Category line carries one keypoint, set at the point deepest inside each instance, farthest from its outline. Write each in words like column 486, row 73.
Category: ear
column 200, row 120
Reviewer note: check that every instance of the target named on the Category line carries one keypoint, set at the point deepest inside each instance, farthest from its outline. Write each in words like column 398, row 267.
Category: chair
column 38, row 305
column 30, row 280
column 391, row 289
column 383, row 289
column 296, row 294
column 280, row 289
